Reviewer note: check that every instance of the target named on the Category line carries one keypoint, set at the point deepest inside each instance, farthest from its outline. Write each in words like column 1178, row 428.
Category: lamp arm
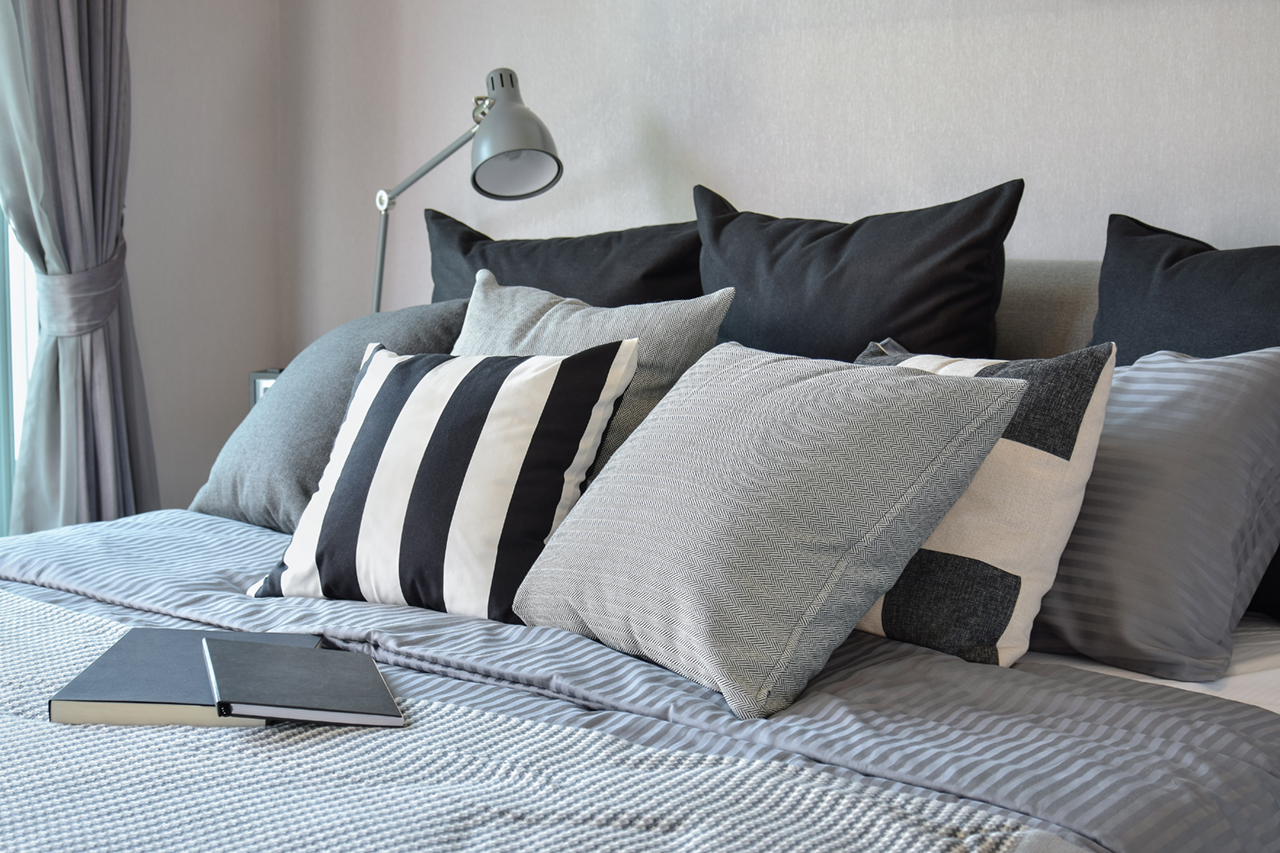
column 386, row 200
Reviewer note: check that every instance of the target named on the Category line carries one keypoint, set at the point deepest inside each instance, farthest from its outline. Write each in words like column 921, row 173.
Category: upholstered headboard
column 1047, row 308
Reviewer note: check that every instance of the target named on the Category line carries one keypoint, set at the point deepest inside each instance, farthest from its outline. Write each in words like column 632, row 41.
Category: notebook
column 155, row 677
column 292, row 683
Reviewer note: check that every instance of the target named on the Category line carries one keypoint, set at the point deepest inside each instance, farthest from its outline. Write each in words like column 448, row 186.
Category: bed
column 529, row 736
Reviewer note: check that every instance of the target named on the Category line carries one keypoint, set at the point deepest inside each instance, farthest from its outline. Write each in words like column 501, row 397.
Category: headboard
column 1047, row 308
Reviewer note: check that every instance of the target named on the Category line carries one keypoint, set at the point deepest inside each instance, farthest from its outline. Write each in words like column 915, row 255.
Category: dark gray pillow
column 271, row 464
column 1180, row 517
column 656, row 263
column 1164, row 291
column 1267, row 598
column 930, row 279
column 525, row 321
column 750, row 521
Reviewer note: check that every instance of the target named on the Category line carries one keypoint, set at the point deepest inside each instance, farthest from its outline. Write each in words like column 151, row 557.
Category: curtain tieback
column 78, row 303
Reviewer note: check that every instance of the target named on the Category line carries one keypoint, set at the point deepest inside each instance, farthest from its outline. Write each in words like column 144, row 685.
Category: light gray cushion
column 271, row 464
column 526, row 321
column 757, row 513
column 1180, row 517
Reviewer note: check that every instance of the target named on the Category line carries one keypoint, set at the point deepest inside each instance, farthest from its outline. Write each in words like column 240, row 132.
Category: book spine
column 224, row 708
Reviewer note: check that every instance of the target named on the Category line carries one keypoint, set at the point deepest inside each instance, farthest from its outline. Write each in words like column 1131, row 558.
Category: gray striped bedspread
column 1102, row 762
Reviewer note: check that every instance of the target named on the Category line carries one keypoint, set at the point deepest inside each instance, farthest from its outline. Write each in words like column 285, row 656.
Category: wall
column 1163, row 109
column 263, row 129
column 201, row 220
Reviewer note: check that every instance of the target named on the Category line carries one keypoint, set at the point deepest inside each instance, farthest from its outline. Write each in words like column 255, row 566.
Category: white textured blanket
column 456, row 778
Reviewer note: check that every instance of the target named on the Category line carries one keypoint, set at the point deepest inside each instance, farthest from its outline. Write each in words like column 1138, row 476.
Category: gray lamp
column 513, row 157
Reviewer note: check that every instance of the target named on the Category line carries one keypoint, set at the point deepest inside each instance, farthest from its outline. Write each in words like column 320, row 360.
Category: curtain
column 85, row 452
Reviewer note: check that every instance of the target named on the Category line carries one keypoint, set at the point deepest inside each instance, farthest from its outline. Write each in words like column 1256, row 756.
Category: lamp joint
column 483, row 104
column 385, row 201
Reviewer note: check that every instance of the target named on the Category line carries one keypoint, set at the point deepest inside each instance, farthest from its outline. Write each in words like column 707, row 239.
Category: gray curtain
column 86, row 452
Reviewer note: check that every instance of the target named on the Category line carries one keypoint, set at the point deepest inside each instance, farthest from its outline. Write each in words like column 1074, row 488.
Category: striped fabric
column 453, row 779
column 974, row 589
column 1138, row 768
column 1180, row 518
column 448, row 475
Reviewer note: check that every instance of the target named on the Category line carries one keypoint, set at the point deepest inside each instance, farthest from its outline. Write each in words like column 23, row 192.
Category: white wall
column 252, row 225
column 1163, row 109
column 201, row 220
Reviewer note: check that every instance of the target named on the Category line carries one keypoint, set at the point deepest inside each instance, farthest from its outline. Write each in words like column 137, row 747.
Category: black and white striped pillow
column 448, row 475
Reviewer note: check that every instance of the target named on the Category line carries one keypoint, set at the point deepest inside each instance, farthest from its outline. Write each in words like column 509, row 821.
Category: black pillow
column 930, row 279
column 1163, row 291
column 657, row 263
column 1267, row 598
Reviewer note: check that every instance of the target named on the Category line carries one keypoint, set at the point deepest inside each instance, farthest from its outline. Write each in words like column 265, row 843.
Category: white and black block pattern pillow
column 975, row 587
column 448, row 475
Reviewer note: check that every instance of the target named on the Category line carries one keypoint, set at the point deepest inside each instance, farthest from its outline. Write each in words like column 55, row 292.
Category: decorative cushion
column 929, row 278
column 1179, row 519
column 1267, row 598
column 656, row 263
column 448, row 475
column 525, row 321
column 761, row 508
column 1163, row 291
column 974, row 589
column 271, row 464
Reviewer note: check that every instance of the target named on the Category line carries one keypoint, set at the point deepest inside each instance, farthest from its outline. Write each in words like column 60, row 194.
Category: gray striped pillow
column 1180, row 517
column 449, row 474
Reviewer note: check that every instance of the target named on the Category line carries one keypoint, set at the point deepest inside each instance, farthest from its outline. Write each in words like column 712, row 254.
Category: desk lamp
column 513, row 157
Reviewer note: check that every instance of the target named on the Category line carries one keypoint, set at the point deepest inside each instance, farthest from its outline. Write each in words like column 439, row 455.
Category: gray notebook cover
column 157, row 666
column 291, row 683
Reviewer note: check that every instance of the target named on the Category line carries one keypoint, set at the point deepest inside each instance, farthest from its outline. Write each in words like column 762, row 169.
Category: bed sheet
column 453, row 779
column 1104, row 762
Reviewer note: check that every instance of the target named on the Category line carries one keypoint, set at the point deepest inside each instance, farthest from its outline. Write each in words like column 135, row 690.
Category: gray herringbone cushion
column 271, row 465
column 526, row 321
column 759, row 511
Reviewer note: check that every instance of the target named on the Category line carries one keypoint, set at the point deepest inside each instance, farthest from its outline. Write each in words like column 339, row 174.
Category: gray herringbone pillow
column 526, row 321
column 759, row 511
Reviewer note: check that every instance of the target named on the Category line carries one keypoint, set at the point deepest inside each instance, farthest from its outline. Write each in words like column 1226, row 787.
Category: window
column 18, row 326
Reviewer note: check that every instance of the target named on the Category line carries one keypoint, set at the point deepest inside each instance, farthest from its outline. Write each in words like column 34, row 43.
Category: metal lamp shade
column 513, row 155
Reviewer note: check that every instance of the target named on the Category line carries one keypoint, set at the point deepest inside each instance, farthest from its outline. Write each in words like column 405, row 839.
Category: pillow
column 656, row 263
column 929, row 278
column 750, row 521
column 974, row 589
column 1163, row 291
column 448, row 475
column 524, row 321
column 1267, row 598
column 271, row 464
column 1179, row 519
